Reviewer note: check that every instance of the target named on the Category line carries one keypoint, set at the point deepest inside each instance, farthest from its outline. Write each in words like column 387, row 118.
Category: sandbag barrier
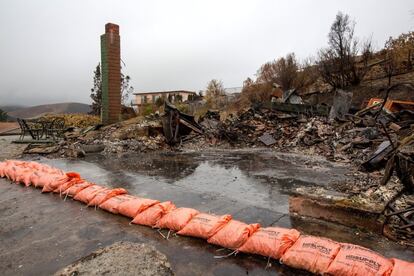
column 315, row 254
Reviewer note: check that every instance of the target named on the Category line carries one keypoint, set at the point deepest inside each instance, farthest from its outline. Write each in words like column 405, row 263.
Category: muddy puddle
column 43, row 234
column 250, row 178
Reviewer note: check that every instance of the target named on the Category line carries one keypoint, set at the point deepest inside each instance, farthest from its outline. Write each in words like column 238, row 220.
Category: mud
column 121, row 258
column 9, row 150
column 40, row 234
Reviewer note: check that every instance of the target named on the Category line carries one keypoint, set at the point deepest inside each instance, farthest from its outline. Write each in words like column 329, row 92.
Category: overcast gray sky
column 49, row 49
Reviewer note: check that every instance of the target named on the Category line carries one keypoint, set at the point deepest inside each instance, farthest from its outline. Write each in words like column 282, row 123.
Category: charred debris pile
column 365, row 138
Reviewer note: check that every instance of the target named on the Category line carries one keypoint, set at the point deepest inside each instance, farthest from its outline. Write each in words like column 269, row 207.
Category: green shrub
column 146, row 109
column 182, row 107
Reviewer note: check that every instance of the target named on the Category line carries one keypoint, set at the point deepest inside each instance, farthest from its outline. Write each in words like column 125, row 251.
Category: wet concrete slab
column 39, row 234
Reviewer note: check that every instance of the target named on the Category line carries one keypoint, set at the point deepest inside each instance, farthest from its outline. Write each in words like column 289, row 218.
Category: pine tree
column 3, row 116
column 96, row 91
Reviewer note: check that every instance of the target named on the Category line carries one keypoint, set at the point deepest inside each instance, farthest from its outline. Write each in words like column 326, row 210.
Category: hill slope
column 9, row 108
column 58, row 108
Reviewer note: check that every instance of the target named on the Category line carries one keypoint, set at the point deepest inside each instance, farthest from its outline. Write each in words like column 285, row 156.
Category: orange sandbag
column 35, row 178
column 3, row 166
column 112, row 204
column 44, row 179
column 270, row 242
column 131, row 208
column 177, row 219
column 402, row 268
column 25, row 176
column 45, row 176
column 359, row 261
column 14, row 168
column 311, row 253
column 60, row 180
column 10, row 171
column 64, row 186
column 86, row 195
column 151, row 215
column 21, row 172
column 204, row 225
column 104, row 195
column 34, row 165
column 234, row 234
column 73, row 188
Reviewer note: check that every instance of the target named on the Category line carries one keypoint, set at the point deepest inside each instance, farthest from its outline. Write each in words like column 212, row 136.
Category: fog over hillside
column 58, row 108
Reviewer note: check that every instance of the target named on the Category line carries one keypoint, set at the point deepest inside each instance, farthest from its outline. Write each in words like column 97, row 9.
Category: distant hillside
column 59, row 108
column 9, row 108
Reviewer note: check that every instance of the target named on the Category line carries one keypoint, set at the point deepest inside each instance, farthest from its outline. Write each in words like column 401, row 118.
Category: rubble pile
column 364, row 138
column 134, row 135
column 350, row 140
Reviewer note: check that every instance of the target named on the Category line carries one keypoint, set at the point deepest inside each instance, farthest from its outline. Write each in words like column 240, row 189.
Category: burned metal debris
column 177, row 124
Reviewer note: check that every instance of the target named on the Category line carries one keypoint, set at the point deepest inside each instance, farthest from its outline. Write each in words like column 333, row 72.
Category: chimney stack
column 111, row 74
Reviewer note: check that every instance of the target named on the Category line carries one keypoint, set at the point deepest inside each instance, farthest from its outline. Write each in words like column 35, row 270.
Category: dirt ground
column 9, row 150
column 5, row 126
column 121, row 258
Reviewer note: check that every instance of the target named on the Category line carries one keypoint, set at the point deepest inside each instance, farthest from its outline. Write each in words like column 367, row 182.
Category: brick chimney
column 111, row 74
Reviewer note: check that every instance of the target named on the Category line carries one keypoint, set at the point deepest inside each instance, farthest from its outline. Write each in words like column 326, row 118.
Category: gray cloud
column 48, row 49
